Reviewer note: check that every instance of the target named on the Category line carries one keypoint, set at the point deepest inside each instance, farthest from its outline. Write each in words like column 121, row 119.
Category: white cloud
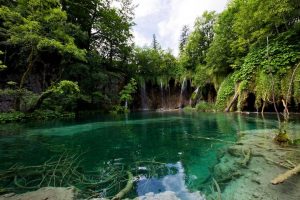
column 146, row 7
column 140, row 39
column 165, row 18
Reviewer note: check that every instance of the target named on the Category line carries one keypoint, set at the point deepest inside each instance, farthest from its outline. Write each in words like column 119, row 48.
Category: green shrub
column 189, row 109
column 226, row 90
column 49, row 114
column 11, row 117
column 117, row 109
column 36, row 115
column 205, row 107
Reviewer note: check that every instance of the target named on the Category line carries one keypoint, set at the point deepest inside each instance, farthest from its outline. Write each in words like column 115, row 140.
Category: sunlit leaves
column 39, row 25
column 127, row 93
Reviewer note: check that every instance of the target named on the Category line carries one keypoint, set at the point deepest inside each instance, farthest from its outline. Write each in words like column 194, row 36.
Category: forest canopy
column 251, row 47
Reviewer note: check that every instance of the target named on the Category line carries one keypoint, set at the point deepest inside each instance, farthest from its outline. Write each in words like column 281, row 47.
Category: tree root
column 218, row 189
column 247, row 156
column 282, row 177
column 127, row 188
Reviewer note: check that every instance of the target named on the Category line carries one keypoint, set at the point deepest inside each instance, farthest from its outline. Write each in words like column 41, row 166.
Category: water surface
column 147, row 136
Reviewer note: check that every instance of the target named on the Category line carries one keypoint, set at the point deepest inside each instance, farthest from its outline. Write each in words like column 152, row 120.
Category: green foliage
column 2, row 67
column 220, row 57
column 36, row 115
column 118, row 109
column 205, row 107
column 198, row 42
column 90, row 41
column 255, row 20
column 278, row 57
column 296, row 85
column 26, row 97
column 226, row 90
column 11, row 117
column 183, row 38
column 61, row 97
column 28, row 27
column 64, row 87
column 50, row 114
column 128, row 91
column 189, row 109
column 155, row 64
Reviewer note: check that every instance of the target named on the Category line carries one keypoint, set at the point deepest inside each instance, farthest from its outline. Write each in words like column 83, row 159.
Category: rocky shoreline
column 248, row 167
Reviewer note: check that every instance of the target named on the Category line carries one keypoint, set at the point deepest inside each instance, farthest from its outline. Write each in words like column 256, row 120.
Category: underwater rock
column 258, row 160
column 226, row 169
column 238, row 150
column 49, row 193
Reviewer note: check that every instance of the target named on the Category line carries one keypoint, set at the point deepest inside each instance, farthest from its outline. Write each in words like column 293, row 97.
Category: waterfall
column 194, row 96
column 144, row 96
column 196, row 91
column 126, row 105
column 162, row 94
column 183, row 87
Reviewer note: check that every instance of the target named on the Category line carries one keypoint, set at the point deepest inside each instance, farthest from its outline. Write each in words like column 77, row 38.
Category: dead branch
column 235, row 97
column 127, row 188
column 282, row 177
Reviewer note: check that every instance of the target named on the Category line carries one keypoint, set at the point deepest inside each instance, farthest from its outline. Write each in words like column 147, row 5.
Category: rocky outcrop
column 49, row 193
column 6, row 103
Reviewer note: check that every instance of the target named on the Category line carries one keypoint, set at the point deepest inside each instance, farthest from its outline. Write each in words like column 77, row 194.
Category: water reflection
column 171, row 182
column 163, row 137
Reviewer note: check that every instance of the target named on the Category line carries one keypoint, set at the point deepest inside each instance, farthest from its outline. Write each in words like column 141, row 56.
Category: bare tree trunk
column 274, row 102
column 40, row 100
column 235, row 98
column 236, row 95
column 28, row 70
column 288, row 95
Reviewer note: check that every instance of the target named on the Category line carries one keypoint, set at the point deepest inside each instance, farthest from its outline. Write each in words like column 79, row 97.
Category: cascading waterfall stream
column 183, row 87
column 162, row 94
column 144, row 96
column 194, row 96
column 126, row 105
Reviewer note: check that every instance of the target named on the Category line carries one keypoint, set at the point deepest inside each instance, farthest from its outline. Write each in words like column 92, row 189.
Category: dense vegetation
column 251, row 48
column 61, row 56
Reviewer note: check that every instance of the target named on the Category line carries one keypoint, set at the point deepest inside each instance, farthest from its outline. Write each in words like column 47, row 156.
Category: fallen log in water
column 282, row 177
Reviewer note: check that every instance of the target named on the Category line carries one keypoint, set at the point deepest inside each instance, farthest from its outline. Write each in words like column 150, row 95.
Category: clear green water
column 163, row 137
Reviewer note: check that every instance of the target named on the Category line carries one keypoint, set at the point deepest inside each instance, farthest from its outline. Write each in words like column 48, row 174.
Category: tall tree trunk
column 289, row 94
column 235, row 98
column 23, row 79
column 40, row 100
column 29, row 68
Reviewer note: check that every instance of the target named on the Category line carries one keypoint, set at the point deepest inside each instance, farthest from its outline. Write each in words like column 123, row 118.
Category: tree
column 127, row 92
column 183, row 38
column 36, row 26
column 64, row 87
column 255, row 20
column 199, row 41
column 106, row 28
column 220, row 59
column 155, row 44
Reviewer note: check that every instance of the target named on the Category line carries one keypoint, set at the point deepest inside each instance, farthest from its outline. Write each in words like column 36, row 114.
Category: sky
column 165, row 19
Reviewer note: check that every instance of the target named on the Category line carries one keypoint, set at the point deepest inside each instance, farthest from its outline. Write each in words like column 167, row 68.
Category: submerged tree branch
column 282, row 177
column 127, row 188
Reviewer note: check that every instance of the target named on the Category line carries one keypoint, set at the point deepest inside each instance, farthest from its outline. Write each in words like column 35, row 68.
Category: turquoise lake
column 164, row 137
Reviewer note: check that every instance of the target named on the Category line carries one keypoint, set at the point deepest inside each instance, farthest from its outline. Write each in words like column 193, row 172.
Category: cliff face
column 151, row 96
